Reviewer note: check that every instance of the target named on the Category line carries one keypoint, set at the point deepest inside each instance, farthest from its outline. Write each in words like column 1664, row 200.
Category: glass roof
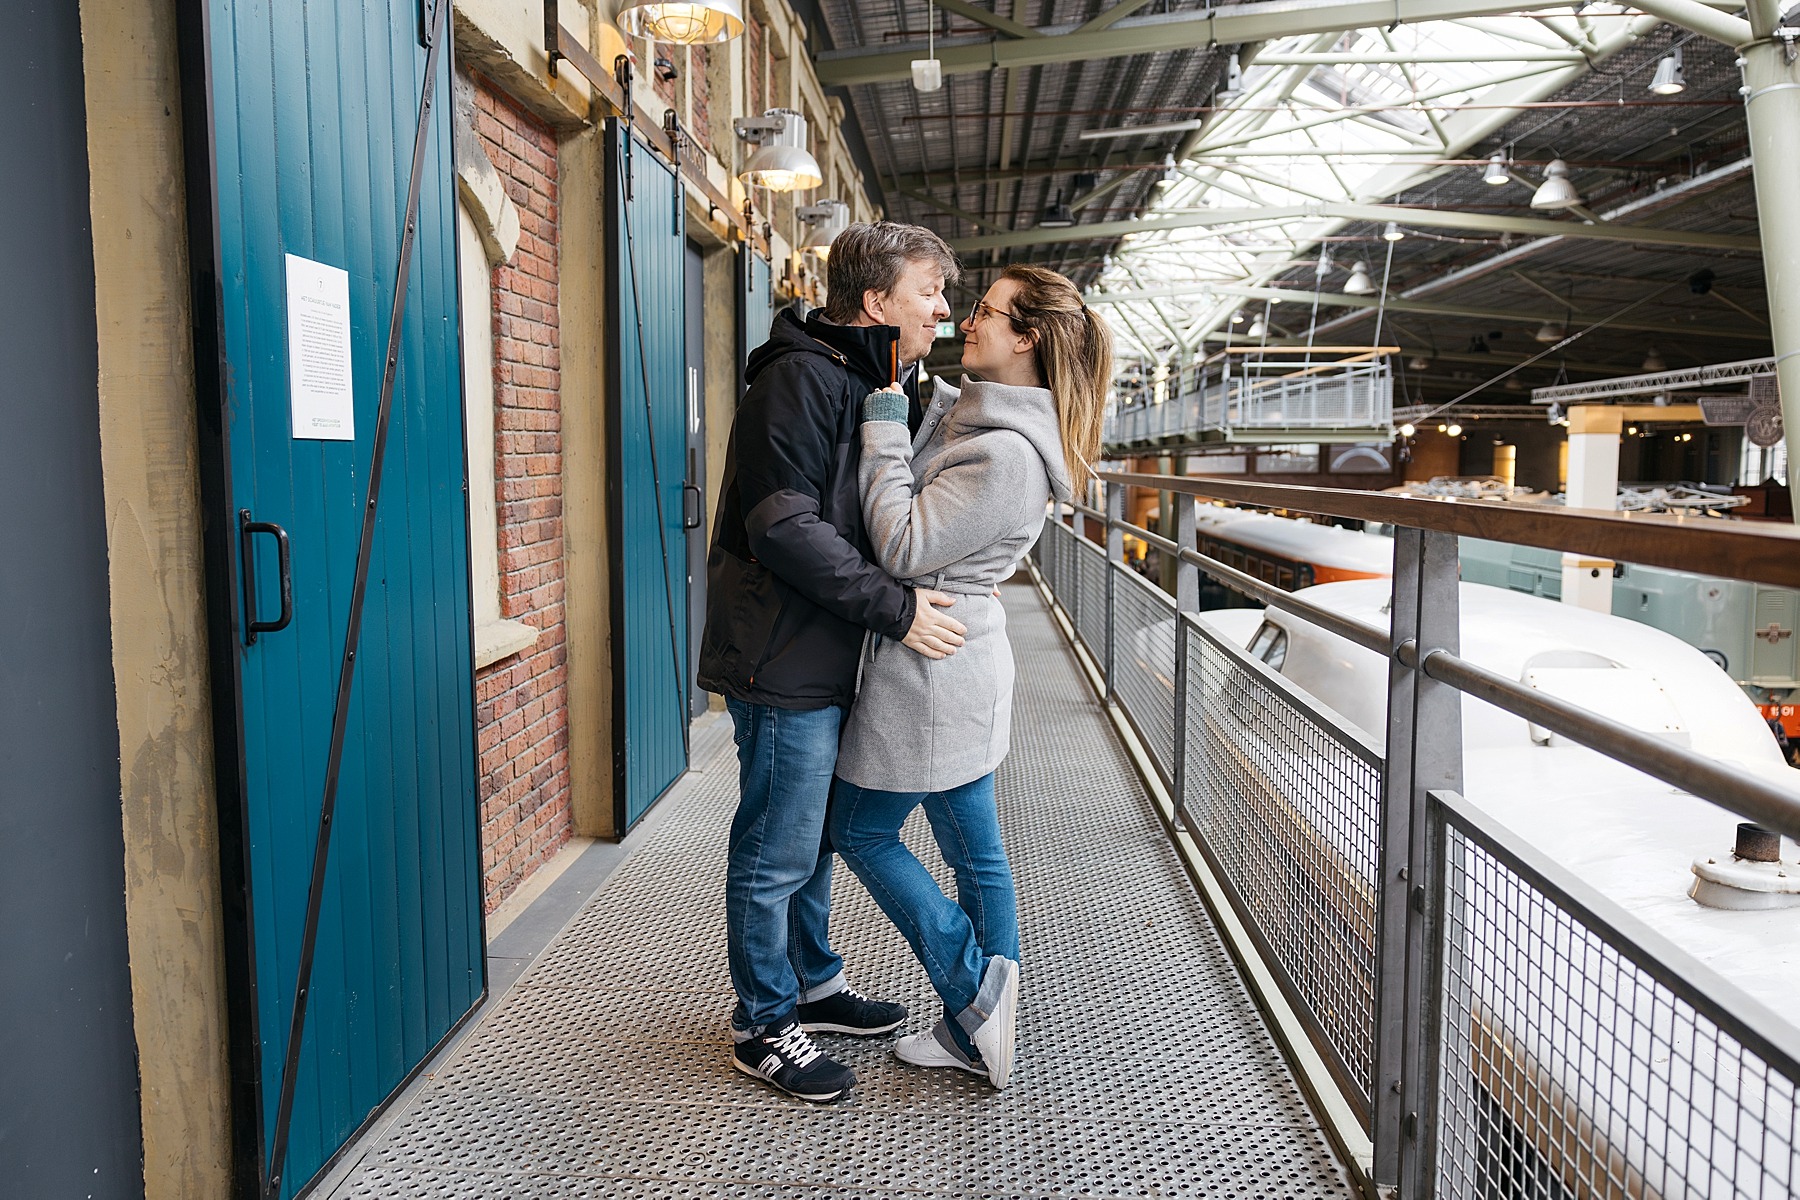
column 1315, row 119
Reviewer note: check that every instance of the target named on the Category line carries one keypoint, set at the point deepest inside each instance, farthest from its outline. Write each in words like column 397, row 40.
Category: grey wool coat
column 955, row 507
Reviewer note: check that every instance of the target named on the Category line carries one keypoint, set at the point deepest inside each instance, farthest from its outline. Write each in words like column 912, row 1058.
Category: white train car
column 1634, row 839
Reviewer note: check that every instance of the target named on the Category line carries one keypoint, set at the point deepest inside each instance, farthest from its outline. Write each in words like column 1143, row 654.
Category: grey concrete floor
column 1143, row 1069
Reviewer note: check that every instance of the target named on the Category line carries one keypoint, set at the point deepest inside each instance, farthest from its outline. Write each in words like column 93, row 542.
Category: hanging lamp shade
column 1556, row 191
column 1497, row 175
column 1669, row 80
column 828, row 219
column 1359, row 283
column 1653, row 361
column 782, row 163
column 1418, row 362
column 684, row 24
column 1550, row 331
column 1258, row 328
column 1057, row 215
column 1393, row 232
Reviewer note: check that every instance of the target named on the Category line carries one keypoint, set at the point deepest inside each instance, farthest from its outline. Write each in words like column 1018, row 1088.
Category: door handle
column 693, row 504
column 247, row 530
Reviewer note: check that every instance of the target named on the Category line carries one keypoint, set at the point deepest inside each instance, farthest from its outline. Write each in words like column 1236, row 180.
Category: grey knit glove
column 885, row 406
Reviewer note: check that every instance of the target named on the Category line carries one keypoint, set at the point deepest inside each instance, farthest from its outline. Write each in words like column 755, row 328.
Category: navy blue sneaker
column 847, row 1011
column 785, row 1057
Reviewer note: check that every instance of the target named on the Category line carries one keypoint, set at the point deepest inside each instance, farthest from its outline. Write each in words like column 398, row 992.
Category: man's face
column 915, row 307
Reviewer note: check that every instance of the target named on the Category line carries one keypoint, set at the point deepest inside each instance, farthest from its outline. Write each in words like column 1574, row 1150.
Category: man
column 791, row 596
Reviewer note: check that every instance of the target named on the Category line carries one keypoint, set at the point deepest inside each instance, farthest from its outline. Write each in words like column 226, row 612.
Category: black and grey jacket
column 790, row 587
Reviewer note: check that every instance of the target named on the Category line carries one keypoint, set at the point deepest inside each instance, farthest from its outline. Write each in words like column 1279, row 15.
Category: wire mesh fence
column 1571, row 1053
column 1577, row 1061
column 1285, row 799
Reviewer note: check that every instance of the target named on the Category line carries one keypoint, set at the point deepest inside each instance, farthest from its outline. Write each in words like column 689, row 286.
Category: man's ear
column 874, row 306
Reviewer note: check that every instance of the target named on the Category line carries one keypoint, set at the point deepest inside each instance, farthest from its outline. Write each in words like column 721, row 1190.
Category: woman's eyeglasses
column 984, row 309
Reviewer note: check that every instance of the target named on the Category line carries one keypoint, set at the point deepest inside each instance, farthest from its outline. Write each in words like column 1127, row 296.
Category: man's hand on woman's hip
column 934, row 634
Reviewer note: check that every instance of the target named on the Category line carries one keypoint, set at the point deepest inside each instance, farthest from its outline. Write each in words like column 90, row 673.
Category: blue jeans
column 778, row 865
column 952, row 941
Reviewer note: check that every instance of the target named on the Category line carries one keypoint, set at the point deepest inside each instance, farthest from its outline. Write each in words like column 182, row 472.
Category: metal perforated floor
column 1143, row 1068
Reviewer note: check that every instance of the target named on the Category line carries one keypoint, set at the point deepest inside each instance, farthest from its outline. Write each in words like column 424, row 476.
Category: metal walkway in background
column 1143, row 1069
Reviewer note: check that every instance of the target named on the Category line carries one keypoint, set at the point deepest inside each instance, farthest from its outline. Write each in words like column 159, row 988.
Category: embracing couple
column 854, row 628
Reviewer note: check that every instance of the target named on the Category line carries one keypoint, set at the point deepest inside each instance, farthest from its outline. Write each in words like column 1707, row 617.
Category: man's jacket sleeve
column 785, row 435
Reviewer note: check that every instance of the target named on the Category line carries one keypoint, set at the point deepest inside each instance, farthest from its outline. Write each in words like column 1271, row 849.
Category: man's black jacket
column 789, row 585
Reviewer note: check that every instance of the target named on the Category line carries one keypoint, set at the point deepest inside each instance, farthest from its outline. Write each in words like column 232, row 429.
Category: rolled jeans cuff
column 830, row 987
column 982, row 1007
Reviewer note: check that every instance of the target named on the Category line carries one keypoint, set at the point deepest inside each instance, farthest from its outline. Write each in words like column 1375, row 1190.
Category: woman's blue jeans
column 953, row 941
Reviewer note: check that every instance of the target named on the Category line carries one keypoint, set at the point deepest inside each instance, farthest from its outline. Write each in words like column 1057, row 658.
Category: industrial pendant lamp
column 684, row 24
column 928, row 72
column 1556, row 191
column 1057, row 215
column 1550, row 331
column 828, row 218
column 1359, row 283
column 781, row 162
column 1497, row 175
column 1393, row 232
column 1258, row 328
column 1669, row 80
column 1653, row 362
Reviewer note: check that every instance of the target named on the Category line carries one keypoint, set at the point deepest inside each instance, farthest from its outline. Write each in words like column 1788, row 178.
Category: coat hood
column 866, row 351
column 1027, row 411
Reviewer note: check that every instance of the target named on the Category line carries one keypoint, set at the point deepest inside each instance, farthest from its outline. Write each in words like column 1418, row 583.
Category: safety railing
column 1492, row 1026
column 1231, row 393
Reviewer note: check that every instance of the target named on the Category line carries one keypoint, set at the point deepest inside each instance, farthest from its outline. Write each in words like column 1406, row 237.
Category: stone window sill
column 496, row 640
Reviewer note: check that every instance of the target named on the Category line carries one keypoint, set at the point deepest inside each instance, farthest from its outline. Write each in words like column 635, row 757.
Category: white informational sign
column 318, row 325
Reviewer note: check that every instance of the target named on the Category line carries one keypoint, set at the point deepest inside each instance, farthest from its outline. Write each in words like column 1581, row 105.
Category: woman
column 956, row 508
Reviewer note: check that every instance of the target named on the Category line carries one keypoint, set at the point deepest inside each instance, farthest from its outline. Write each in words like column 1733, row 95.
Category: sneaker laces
column 795, row 1046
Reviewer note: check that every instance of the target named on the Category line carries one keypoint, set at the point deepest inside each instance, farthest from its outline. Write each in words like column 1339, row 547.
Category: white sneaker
column 933, row 1048
column 994, row 1040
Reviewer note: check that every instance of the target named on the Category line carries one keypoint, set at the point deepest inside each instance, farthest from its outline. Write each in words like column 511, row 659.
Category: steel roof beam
column 976, row 13
column 1426, row 218
column 1259, row 21
column 1371, row 303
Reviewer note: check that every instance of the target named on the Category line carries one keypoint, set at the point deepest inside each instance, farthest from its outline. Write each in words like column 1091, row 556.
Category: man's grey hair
column 870, row 257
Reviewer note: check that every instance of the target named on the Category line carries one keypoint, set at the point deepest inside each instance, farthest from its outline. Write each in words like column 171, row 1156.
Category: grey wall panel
column 68, row 1069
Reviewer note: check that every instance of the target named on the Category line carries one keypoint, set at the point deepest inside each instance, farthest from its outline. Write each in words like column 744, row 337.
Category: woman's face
column 992, row 348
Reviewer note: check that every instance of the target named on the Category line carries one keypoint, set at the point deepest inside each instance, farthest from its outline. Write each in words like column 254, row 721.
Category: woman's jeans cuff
column 987, row 998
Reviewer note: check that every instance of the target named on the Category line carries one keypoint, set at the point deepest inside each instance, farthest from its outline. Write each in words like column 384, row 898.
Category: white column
column 1772, row 116
column 1593, row 483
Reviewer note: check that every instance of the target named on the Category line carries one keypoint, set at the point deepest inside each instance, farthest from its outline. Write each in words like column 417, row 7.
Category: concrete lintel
column 504, row 40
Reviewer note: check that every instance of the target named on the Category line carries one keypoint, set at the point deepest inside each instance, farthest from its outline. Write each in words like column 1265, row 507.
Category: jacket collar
column 867, row 350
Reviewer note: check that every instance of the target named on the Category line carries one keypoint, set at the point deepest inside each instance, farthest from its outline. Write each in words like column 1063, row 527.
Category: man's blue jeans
column 952, row 941
column 778, row 866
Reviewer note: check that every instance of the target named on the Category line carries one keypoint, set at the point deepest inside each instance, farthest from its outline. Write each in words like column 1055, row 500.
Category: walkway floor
column 1143, row 1068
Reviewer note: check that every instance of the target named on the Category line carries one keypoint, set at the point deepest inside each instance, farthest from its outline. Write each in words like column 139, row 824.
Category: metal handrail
column 1730, row 549
column 1768, row 804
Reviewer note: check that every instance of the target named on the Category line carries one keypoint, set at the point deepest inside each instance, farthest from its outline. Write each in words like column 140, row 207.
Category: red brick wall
column 522, row 725
column 700, row 122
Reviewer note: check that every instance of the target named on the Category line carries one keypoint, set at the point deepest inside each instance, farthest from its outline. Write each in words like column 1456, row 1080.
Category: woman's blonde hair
column 1075, row 353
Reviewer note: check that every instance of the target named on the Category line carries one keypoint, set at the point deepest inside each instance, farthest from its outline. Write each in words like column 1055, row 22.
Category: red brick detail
column 757, row 38
column 701, row 94
column 522, row 707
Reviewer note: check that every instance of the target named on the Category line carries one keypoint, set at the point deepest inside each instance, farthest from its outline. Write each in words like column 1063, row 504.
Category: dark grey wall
column 68, row 1069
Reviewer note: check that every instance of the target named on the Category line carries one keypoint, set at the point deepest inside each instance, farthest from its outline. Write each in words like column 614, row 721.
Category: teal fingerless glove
column 885, row 406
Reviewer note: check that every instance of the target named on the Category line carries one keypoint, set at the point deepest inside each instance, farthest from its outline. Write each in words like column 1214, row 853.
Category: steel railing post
column 1424, row 754
column 1187, row 600
column 1115, row 562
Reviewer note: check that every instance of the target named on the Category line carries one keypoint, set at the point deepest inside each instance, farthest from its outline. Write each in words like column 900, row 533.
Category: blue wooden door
column 756, row 306
column 315, row 110
column 647, row 270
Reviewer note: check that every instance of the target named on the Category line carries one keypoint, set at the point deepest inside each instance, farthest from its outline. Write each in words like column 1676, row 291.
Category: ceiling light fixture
column 1258, row 328
column 1393, row 232
column 1653, row 362
column 1669, row 80
column 1497, row 175
column 1454, row 431
column 1418, row 362
column 1237, row 318
column 684, row 24
column 781, row 162
column 1407, row 431
column 928, row 72
column 1359, row 283
column 1057, row 215
column 1550, row 331
column 1556, row 192
column 1166, row 175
